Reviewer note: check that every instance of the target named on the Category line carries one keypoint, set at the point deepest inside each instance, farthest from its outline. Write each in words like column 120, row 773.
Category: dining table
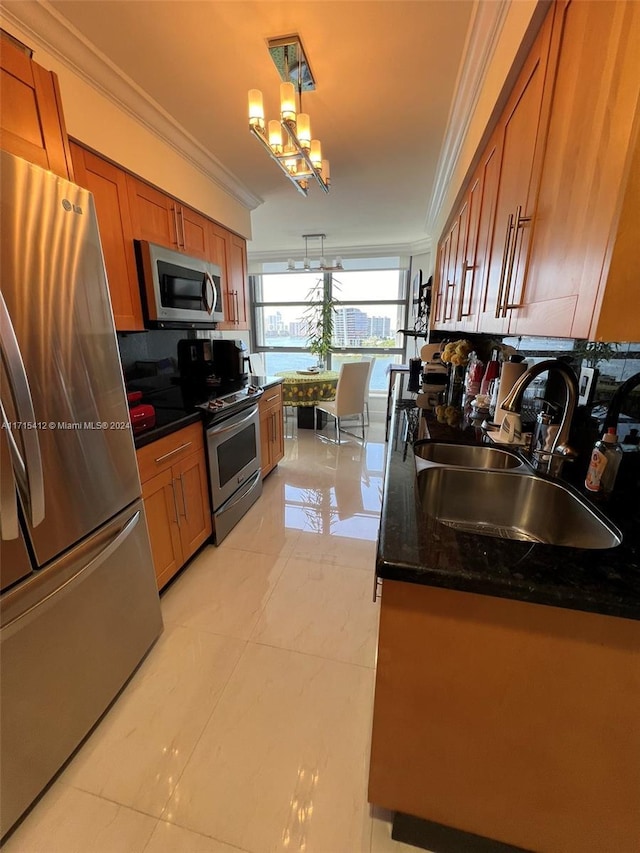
column 304, row 389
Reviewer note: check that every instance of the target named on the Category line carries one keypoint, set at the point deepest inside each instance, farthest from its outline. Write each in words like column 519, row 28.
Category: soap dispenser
column 604, row 464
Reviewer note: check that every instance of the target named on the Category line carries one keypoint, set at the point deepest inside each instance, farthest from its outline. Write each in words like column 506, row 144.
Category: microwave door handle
column 8, row 501
column 29, row 471
column 207, row 283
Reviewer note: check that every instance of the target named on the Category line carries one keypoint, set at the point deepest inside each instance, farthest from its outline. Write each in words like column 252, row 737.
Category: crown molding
column 403, row 250
column 50, row 31
column 482, row 37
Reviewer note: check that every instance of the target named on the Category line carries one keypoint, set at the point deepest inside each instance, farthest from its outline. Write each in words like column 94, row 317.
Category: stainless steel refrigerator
column 79, row 606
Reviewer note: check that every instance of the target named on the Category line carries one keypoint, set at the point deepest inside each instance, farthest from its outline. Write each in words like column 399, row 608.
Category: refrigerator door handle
column 8, row 501
column 29, row 470
column 83, row 573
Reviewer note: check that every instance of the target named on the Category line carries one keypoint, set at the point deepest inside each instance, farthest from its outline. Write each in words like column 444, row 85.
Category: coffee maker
column 212, row 363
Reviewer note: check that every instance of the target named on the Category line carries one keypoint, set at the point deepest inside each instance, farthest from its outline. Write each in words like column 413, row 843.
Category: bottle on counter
column 605, row 461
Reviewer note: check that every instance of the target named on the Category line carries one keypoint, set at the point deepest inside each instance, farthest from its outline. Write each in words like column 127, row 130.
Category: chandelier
column 296, row 153
column 322, row 263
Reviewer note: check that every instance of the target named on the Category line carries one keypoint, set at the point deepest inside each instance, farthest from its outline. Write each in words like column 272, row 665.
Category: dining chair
column 350, row 395
column 371, row 360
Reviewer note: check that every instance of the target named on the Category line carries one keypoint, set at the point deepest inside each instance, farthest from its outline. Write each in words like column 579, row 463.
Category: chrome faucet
column 550, row 460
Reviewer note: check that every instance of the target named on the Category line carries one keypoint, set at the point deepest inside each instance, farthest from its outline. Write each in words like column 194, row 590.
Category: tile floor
column 247, row 726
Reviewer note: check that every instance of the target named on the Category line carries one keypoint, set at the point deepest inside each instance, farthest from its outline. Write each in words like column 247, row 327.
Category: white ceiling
column 385, row 73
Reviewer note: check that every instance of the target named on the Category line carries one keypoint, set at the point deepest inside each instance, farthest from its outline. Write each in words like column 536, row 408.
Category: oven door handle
column 207, row 282
column 214, row 430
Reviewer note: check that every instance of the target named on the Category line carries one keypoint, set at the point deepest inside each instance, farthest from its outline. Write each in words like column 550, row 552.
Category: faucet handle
column 568, row 452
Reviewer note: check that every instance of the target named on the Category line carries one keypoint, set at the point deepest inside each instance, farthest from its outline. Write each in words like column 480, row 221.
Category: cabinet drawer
column 271, row 399
column 162, row 454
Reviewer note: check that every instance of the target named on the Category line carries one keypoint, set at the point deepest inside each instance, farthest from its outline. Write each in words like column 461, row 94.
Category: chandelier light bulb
column 326, row 171
column 306, row 263
column 287, row 102
column 316, row 153
column 275, row 136
column 303, row 130
column 291, row 264
column 256, row 108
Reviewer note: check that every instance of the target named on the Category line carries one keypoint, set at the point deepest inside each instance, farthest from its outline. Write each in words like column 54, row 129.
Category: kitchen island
column 508, row 682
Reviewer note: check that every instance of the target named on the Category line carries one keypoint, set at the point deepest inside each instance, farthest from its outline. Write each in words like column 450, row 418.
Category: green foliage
column 593, row 352
column 319, row 320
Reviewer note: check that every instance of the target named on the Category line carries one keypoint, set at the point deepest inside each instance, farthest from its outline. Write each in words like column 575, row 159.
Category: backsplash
column 141, row 352
column 613, row 363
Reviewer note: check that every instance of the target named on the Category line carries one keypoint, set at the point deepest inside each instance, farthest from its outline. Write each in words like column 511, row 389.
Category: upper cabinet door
column 194, row 233
column 154, row 215
column 31, row 119
column 235, row 283
column 108, row 184
column 517, row 186
column 161, row 219
column 582, row 277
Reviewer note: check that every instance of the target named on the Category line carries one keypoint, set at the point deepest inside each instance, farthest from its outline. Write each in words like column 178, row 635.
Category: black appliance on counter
column 212, row 363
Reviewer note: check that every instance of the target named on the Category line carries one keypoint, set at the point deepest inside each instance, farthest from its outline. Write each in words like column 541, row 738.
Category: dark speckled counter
column 171, row 418
column 421, row 550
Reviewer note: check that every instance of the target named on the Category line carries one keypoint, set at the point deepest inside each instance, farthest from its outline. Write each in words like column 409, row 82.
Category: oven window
column 180, row 288
column 236, row 452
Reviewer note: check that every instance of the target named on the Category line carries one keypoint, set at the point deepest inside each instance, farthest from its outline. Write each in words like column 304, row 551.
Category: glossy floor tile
column 247, row 727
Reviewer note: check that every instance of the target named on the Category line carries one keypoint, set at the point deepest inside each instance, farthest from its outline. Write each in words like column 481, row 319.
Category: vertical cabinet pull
column 184, row 498
column 503, row 267
column 174, row 210
column 236, row 308
column 184, row 237
column 175, row 502
column 520, row 222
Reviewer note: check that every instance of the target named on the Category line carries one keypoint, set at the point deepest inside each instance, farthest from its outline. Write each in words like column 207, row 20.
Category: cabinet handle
column 173, row 452
column 184, row 238
column 175, row 502
column 447, row 300
column 236, row 308
column 174, row 210
column 376, row 582
column 269, row 399
column 463, row 291
column 519, row 223
column 184, row 498
column 503, row 267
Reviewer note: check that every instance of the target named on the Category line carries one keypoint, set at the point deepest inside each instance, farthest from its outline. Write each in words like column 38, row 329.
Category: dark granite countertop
column 417, row 549
column 173, row 412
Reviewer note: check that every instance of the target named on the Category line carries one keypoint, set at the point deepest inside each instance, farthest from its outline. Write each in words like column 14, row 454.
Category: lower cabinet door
column 161, row 509
column 190, row 483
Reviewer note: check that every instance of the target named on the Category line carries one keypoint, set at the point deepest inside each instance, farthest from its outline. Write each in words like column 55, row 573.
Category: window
column 372, row 307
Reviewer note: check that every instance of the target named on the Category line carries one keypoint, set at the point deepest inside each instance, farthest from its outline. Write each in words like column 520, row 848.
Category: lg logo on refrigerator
column 75, row 208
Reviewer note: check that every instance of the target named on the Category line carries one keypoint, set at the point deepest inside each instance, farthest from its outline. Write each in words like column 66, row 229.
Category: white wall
column 94, row 119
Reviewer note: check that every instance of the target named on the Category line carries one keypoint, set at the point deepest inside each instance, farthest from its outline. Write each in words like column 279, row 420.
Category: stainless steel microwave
column 178, row 292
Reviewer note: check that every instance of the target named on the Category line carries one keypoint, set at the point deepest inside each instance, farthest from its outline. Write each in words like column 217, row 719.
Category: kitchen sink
column 513, row 505
column 466, row 455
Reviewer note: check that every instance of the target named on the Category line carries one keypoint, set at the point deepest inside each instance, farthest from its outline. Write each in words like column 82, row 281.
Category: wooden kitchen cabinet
column 483, row 264
column 161, row 219
column 173, row 472
column 510, row 720
column 271, row 428
column 230, row 253
column 108, row 183
column 582, row 278
column 31, row 118
column 522, row 128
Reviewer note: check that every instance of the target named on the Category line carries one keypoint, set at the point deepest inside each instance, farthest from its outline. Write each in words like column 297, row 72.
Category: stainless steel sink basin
column 467, row 455
column 513, row 505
